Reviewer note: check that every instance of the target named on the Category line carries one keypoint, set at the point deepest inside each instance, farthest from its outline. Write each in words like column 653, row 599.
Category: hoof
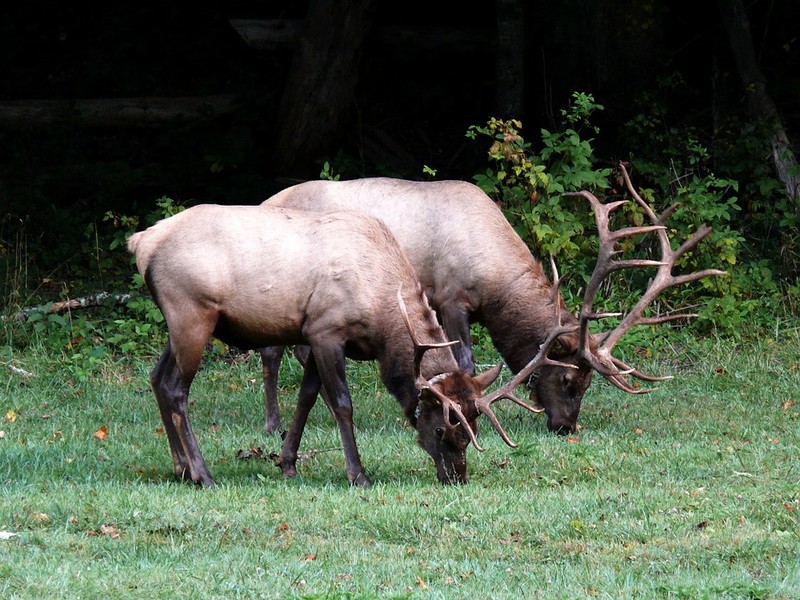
column 288, row 470
column 361, row 480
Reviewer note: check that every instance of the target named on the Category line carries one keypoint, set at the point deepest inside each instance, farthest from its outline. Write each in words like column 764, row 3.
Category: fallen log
column 98, row 299
column 114, row 112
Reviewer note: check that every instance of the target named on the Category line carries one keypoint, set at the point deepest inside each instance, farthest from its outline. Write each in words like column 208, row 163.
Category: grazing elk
column 474, row 267
column 337, row 282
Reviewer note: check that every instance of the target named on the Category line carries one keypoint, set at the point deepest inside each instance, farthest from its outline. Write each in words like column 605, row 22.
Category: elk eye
column 439, row 432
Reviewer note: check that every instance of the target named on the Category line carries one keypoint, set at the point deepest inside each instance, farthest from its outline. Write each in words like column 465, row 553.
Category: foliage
column 767, row 217
column 328, row 173
column 529, row 185
column 669, row 167
column 93, row 338
column 755, row 223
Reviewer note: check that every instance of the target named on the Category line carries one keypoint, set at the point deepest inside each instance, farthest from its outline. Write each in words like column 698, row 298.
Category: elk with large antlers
column 474, row 267
column 255, row 277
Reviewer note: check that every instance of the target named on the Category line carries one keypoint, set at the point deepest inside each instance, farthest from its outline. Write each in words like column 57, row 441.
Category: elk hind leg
column 171, row 380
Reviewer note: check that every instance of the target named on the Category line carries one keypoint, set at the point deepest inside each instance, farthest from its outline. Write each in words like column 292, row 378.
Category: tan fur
column 274, row 281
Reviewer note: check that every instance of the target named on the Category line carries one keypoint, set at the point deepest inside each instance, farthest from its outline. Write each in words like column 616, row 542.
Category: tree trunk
column 759, row 102
column 319, row 92
column 510, row 59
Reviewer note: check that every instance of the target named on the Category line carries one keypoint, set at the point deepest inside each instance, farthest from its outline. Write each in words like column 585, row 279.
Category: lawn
column 691, row 491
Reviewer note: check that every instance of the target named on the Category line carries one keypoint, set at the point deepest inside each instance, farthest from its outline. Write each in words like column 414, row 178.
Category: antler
column 423, row 384
column 484, row 403
column 419, row 348
column 601, row 359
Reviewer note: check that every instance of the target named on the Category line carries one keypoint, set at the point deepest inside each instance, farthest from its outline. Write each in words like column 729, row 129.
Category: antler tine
column 637, row 373
column 557, row 281
column 419, row 348
column 483, row 404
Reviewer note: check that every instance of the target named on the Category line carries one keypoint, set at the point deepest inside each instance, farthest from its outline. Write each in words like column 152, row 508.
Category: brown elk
column 474, row 267
column 256, row 277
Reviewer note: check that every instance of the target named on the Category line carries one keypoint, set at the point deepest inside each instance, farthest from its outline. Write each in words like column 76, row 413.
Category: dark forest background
column 107, row 107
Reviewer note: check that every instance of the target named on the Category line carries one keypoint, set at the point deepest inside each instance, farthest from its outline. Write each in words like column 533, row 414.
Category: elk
column 475, row 268
column 337, row 282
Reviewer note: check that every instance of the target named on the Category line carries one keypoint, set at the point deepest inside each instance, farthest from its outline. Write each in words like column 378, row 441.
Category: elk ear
column 485, row 379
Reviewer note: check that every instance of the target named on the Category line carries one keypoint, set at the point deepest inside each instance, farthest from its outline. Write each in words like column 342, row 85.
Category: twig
column 17, row 370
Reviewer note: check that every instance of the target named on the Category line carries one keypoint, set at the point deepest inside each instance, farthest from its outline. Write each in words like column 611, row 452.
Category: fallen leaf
column 573, row 440
column 788, row 404
column 253, row 452
column 101, row 433
column 41, row 517
column 159, row 431
column 788, row 506
column 703, row 524
column 421, row 583
column 502, row 464
column 310, row 556
column 110, row 531
column 11, row 416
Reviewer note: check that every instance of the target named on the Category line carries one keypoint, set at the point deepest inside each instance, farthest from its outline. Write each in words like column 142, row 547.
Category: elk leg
column 307, row 397
column 270, row 363
column 171, row 387
column 455, row 322
column 331, row 365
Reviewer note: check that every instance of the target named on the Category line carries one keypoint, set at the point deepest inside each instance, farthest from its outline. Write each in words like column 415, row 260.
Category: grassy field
column 692, row 491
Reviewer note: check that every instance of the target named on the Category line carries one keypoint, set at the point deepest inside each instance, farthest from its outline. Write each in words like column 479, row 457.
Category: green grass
column 692, row 491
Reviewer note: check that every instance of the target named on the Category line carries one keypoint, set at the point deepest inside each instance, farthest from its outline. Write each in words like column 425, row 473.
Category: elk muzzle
column 560, row 391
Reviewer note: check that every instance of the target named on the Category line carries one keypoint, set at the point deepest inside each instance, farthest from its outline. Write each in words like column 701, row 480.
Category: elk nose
column 561, row 428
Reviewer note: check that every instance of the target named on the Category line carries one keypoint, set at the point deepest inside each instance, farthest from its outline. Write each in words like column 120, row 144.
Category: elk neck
column 520, row 320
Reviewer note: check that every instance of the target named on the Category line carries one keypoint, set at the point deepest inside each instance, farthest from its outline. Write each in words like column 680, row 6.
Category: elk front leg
column 455, row 322
column 270, row 364
column 171, row 388
column 330, row 362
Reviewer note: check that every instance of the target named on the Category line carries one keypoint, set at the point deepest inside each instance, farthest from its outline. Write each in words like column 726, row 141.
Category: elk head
column 446, row 415
column 584, row 352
